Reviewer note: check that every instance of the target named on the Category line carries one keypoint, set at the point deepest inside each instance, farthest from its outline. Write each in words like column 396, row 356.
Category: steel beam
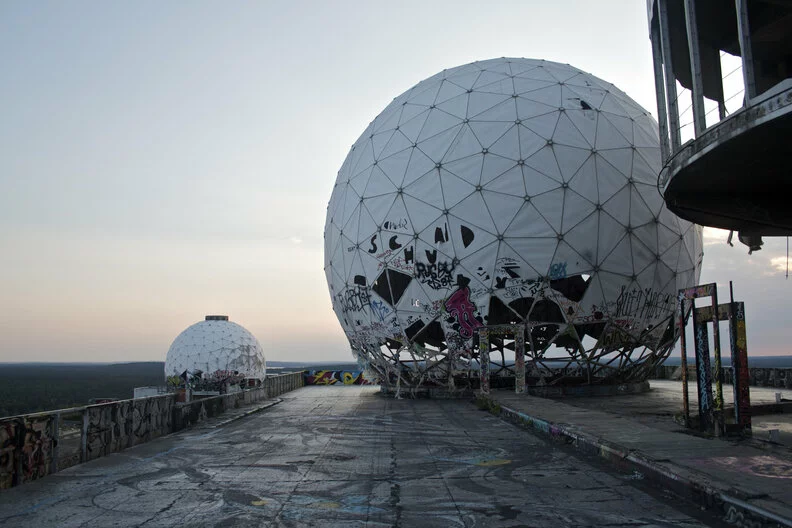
column 718, row 365
column 699, row 115
column 746, row 52
column 670, row 79
column 519, row 360
column 484, row 361
column 662, row 112
column 683, row 362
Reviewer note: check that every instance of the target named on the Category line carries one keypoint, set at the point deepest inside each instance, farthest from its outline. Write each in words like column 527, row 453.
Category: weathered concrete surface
column 657, row 408
column 342, row 456
column 638, row 432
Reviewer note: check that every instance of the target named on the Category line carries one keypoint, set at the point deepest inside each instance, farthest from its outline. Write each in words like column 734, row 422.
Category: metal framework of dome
column 507, row 192
column 216, row 344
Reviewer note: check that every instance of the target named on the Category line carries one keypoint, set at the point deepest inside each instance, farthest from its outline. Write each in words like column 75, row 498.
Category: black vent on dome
column 573, row 287
column 500, row 314
column 217, row 318
column 391, row 292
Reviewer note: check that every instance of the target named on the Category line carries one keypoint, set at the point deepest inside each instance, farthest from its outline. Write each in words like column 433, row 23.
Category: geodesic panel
column 507, row 191
column 216, row 345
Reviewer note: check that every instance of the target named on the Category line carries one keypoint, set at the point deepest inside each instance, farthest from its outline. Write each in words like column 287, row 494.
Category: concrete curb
column 731, row 503
column 248, row 413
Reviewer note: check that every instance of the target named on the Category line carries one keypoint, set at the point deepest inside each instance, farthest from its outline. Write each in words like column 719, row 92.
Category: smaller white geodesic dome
column 216, row 344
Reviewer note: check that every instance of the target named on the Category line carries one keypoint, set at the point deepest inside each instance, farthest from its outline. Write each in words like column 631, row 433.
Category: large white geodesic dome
column 213, row 345
column 507, row 191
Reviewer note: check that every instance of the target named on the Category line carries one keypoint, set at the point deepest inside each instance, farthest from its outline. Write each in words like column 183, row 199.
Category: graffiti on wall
column 116, row 426
column 335, row 377
column 26, row 449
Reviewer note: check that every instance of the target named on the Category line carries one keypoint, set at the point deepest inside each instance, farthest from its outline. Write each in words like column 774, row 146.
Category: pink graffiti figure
column 460, row 308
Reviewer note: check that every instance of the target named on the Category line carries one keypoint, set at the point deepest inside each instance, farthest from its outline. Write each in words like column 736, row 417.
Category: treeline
column 26, row 388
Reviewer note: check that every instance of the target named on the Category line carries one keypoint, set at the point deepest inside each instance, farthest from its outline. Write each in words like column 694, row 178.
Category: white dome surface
column 214, row 345
column 499, row 192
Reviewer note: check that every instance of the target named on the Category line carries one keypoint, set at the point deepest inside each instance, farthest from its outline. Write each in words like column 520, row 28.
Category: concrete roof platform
column 346, row 456
column 748, row 481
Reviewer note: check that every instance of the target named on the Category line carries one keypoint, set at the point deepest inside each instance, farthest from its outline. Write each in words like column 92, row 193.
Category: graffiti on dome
column 643, row 303
column 435, row 273
column 507, row 269
column 396, row 224
column 383, row 245
column 403, row 262
column 398, row 263
column 463, row 312
column 353, row 298
column 509, row 277
column 441, row 235
column 433, row 308
column 380, row 309
column 558, row 271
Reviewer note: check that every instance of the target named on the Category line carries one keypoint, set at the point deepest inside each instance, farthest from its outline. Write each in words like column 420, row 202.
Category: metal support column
column 699, row 115
column 739, row 358
column 683, row 362
column 56, row 443
column 718, row 366
column 662, row 112
column 703, row 370
column 670, row 79
column 519, row 360
column 84, row 437
column 484, row 363
column 720, row 98
column 452, row 354
column 746, row 52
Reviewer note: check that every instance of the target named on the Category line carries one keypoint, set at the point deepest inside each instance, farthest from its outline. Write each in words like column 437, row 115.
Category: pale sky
column 160, row 161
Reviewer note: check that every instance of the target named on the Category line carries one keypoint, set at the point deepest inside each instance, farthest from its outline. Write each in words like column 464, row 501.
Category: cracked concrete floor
column 343, row 456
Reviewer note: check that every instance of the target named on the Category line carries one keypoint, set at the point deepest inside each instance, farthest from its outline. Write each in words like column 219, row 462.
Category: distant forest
column 31, row 387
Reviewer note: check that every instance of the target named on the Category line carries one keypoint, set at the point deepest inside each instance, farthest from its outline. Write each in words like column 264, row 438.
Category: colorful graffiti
column 26, row 449
column 335, row 377
column 462, row 310
column 703, row 372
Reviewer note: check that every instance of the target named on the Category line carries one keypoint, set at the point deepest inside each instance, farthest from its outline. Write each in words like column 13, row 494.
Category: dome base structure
column 462, row 391
column 513, row 193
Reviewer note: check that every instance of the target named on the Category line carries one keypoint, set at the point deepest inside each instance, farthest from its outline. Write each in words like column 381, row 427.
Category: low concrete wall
column 758, row 377
column 35, row 445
